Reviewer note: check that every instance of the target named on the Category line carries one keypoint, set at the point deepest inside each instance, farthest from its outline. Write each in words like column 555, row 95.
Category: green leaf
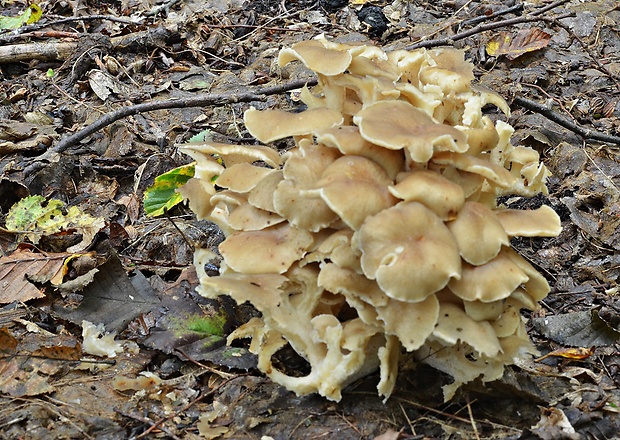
column 31, row 15
column 162, row 195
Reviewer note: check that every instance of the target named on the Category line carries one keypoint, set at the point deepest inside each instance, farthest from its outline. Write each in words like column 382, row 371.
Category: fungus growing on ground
column 380, row 230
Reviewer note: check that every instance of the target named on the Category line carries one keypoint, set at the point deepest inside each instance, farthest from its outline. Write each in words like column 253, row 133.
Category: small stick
column 585, row 133
column 532, row 16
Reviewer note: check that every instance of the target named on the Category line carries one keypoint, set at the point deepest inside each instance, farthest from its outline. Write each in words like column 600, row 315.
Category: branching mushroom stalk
column 380, row 230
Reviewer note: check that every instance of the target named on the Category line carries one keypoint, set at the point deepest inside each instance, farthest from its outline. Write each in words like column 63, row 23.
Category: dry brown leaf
column 579, row 353
column 526, row 40
column 19, row 270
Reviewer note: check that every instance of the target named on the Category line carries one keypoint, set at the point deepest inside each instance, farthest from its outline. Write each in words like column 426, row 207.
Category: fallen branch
column 535, row 15
column 548, row 113
column 213, row 99
column 61, row 50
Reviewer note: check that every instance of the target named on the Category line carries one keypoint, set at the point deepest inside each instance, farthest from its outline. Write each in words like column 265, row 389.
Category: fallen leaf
column 579, row 353
column 526, row 40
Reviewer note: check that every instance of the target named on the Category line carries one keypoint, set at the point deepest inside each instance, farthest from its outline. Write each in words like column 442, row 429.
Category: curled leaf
column 526, row 40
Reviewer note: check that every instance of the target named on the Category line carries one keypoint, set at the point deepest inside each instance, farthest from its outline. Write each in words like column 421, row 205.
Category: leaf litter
column 186, row 381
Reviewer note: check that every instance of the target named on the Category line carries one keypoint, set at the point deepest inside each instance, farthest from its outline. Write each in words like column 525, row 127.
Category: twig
column 585, row 133
column 532, row 16
column 476, row 20
column 216, row 99
column 6, row 37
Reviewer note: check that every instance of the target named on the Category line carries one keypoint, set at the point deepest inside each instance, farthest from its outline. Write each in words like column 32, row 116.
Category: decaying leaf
column 576, row 354
column 579, row 329
column 34, row 217
column 162, row 195
column 526, row 40
column 22, row 268
column 31, row 15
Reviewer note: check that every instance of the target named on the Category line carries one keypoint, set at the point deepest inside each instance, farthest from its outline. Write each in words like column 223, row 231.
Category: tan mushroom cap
column 248, row 218
column 492, row 281
column 508, row 323
column 483, row 138
column 409, row 251
column 397, row 124
column 541, row 222
column 412, row 323
column 264, row 291
column 347, row 140
column 316, row 57
column 477, row 165
column 271, row 125
column 536, row 286
column 270, row 250
column 354, row 188
column 453, row 325
column 262, row 195
column 367, row 89
column 344, row 281
column 451, row 72
column 337, row 247
column 479, row 234
column 434, row 191
column 484, row 311
column 198, row 192
column 302, row 208
column 242, row 177
column 234, row 154
column 377, row 68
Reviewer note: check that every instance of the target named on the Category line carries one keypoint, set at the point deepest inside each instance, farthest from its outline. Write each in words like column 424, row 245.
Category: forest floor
column 92, row 58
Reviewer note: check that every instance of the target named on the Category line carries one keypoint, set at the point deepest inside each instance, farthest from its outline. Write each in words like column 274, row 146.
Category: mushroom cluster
column 381, row 229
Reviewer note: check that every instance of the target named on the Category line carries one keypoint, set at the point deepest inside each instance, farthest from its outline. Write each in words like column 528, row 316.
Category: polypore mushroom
column 382, row 229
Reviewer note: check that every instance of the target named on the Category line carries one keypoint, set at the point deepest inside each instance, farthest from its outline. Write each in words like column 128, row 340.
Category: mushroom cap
column 270, row 250
column 409, row 251
column 198, row 192
column 262, row 194
column 271, row 125
column 434, row 191
column 454, row 325
column 337, row 248
column 316, row 57
column 242, row 177
column 364, row 66
column 348, row 141
column 479, row 234
column 234, row 154
column 420, row 321
column 481, row 139
column 350, row 284
column 248, row 218
column 451, row 72
column 491, row 281
column 541, row 222
column 484, row 311
column 477, row 165
column 354, row 188
column 397, row 124
column 302, row 208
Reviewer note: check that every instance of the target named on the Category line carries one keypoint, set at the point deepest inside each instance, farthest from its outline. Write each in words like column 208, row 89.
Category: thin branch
column 213, row 99
column 476, row 20
column 532, row 16
column 548, row 113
